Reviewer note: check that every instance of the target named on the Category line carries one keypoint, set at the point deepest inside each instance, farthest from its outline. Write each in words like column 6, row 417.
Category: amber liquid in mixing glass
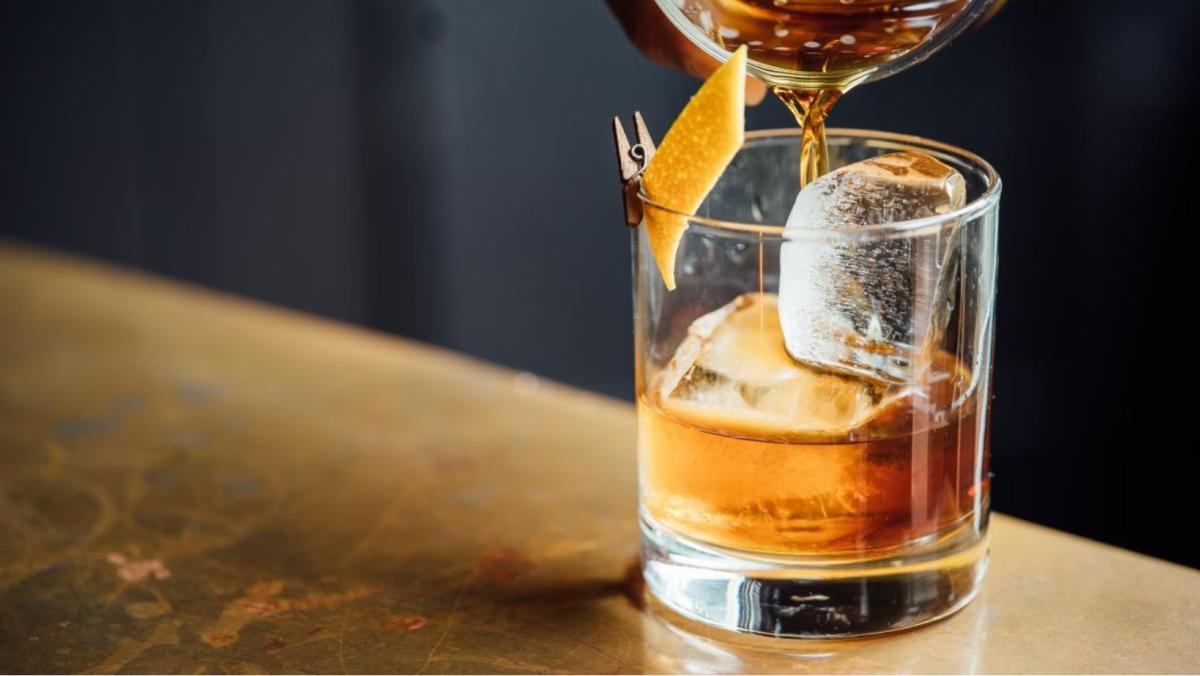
column 743, row 447
column 812, row 51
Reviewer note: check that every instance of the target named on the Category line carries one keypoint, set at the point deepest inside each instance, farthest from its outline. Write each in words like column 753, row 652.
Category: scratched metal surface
column 190, row 483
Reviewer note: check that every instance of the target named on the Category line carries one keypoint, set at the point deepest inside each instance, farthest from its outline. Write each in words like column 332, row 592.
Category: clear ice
column 733, row 371
column 865, row 304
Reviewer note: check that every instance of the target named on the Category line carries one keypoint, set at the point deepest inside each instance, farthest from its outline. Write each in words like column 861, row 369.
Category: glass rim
column 970, row 210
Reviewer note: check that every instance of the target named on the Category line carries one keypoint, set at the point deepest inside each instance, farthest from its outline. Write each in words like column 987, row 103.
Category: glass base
column 809, row 598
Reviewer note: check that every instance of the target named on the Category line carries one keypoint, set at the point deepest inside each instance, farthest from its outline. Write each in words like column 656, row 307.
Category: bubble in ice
column 869, row 305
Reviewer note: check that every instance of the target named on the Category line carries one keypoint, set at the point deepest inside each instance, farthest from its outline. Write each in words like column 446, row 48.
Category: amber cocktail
column 813, row 401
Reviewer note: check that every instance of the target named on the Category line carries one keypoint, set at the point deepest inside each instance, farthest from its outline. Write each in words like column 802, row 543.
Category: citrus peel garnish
column 692, row 156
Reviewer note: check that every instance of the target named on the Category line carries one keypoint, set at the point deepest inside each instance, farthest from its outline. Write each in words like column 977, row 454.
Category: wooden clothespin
column 632, row 161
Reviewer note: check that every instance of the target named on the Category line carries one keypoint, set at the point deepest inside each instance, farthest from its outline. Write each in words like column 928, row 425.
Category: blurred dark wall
column 442, row 169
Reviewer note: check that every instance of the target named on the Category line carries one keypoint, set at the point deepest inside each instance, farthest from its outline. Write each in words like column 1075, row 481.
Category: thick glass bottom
column 817, row 598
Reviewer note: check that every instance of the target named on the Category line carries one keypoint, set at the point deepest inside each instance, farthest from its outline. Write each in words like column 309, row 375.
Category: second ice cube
column 869, row 304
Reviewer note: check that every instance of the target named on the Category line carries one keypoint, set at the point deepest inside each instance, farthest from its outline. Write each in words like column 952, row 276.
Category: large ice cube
column 733, row 372
column 869, row 305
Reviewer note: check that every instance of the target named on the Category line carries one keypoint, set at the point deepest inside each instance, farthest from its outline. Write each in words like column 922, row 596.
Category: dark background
column 442, row 169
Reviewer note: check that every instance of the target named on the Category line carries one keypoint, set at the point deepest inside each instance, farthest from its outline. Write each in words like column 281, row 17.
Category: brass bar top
column 195, row 483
